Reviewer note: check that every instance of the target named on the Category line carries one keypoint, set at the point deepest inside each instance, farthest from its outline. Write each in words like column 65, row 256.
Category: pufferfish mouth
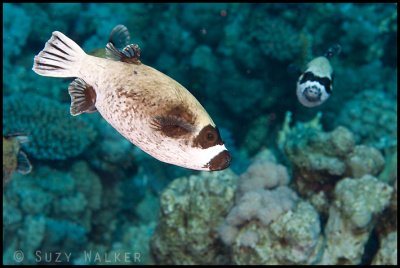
column 220, row 161
column 312, row 93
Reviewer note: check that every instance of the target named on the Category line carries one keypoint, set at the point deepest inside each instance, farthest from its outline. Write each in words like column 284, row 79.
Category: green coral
column 372, row 116
column 257, row 134
column 49, row 209
column 134, row 247
column 277, row 38
column 53, row 132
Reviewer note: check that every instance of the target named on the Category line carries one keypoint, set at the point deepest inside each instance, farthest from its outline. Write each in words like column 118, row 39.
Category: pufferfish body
column 147, row 107
column 314, row 85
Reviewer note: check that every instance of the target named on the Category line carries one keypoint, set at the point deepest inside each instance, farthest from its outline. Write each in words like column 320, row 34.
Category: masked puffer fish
column 14, row 159
column 147, row 107
column 314, row 86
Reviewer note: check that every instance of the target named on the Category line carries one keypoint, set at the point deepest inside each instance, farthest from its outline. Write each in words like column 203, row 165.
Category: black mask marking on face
column 325, row 81
column 208, row 137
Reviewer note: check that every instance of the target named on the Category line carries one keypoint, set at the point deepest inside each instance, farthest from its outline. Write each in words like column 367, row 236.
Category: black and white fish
column 314, row 85
column 147, row 107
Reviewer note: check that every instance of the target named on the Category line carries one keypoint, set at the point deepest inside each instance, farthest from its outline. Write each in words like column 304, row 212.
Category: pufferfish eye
column 209, row 136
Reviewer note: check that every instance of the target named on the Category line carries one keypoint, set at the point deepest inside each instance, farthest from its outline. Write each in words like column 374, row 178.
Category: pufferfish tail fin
column 61, row 57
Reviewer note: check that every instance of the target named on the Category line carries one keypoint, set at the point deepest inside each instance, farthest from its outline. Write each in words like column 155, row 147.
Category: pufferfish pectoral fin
column 172, row 126
column 83, row 97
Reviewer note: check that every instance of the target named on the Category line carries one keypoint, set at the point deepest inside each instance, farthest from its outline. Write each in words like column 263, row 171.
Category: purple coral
column 262, row 196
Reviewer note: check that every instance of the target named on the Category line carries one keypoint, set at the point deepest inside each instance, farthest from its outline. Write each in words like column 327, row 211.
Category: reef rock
column 387, row 254
column 269, row 224
column 191, row 209
column 352, row 216
column 321, row 159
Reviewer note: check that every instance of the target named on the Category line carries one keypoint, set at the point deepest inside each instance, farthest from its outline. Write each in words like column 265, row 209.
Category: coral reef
column 257, row 135
column 372, row 116
column 15, row 18
column 276, row 38
column 330, row 201
column 133, row 248
column 54, row 134
column 136, row 239
column 364, row 160
column 293, row 237
column 387, row 254
column 269, row 224
column 357, row 204
column 191, row 209
column 49, row 210
column 320, row 159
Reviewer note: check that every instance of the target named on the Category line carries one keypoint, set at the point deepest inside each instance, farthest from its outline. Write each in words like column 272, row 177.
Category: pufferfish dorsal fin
column 119, row 38
column 83, row 97
column 130, row 54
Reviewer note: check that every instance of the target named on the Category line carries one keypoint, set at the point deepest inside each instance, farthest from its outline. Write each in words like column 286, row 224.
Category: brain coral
column 53, row 132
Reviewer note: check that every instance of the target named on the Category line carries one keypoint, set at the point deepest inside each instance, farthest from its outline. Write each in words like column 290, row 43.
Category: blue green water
column 93, row 192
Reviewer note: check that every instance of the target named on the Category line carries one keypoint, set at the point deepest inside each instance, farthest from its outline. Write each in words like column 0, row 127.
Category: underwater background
column 305, row 185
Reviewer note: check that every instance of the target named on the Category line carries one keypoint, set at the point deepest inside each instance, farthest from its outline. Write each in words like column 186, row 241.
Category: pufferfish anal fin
column 130, row 54
column 83, row 97
column 23, row 164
